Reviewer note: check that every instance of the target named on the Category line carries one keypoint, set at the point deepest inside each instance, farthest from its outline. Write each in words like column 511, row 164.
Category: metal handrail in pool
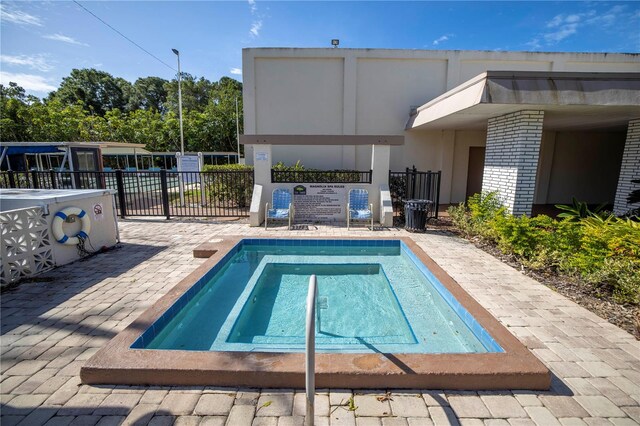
column 310, row 350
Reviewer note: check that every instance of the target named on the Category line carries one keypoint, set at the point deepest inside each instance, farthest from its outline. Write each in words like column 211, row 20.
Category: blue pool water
column 373, row 296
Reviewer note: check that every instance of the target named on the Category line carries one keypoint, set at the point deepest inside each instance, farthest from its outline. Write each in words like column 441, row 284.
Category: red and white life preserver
column 61, row 217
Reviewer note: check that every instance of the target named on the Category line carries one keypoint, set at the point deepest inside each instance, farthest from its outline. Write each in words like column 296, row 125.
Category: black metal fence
column 215, row 193
column 414, row 185
column 320, row 176
column 162, row 193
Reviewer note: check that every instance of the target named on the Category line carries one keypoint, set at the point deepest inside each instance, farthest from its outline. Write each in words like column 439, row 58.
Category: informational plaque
column 317, row 202
column 189, row 163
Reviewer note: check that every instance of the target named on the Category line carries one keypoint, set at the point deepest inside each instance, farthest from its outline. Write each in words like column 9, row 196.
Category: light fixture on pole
column 180, row 101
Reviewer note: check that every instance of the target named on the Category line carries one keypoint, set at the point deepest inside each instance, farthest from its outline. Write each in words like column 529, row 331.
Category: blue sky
column 42, row 41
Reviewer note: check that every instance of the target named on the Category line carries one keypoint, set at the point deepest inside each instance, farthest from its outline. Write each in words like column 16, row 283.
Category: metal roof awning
column 124, row 150
column 33, row 149
column 570, row 100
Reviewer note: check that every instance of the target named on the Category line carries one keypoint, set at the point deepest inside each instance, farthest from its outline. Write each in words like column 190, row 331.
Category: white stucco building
column 540, row 128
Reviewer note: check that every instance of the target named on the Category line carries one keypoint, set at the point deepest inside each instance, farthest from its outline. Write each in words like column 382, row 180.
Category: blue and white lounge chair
column 282, row 207
column 358, row 207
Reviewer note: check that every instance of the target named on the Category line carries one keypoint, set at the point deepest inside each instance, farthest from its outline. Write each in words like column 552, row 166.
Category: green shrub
column 232, row 189
column 226, row 168
column 622, row 276
column 521, row 235
column 475, row 217
column 603, row 250
column 314, row 175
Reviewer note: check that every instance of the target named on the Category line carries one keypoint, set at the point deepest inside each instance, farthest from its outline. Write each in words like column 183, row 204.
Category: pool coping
column 117, row 363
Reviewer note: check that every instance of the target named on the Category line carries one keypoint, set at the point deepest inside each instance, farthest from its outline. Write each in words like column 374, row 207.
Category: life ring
column 61, row 217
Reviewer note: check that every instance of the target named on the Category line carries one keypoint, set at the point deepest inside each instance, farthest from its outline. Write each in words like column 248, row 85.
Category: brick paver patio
column 51, row 326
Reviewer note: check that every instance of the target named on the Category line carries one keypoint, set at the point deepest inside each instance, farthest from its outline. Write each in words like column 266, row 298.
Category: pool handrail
column 310, row 350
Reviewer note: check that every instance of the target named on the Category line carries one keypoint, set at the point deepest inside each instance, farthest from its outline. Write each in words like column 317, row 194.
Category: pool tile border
column 118, row 363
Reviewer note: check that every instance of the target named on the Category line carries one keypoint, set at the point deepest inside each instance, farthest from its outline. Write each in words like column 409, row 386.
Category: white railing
column 310, row 351
column 25, row 246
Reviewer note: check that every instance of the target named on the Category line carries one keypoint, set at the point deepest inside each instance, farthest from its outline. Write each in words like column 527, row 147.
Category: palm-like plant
column 578, row 210
column 634, row 196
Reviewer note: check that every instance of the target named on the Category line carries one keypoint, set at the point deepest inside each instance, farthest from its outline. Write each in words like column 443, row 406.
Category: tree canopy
column 93, row 105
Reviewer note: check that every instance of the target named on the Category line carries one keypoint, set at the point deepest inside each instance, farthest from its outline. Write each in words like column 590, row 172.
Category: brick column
column 629, row 170
column 511, row 159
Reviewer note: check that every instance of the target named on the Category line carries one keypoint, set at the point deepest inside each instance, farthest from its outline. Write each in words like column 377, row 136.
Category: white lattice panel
column 25, row 246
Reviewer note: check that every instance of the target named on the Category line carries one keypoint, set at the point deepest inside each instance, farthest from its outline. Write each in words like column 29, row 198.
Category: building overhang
column 321, row 140
column 570, row 100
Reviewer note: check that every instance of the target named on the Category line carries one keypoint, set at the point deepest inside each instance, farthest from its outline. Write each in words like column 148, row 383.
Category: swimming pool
column 387, row 317
column 372, row 297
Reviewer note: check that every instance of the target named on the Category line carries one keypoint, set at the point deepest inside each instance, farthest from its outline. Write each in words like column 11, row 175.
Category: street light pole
column 180, row 101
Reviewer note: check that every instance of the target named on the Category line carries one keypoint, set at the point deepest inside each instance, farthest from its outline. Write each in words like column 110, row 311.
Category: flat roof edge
column 375, row 49
column 572, row 75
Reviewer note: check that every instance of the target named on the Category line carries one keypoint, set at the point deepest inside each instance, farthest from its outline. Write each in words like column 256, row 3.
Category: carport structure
column 548, row 133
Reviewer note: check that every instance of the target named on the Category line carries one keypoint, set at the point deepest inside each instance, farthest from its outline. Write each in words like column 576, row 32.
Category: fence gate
column 411, row 185
column 145, row 193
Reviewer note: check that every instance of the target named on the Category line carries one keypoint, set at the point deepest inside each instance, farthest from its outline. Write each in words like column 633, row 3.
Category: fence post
column 34, row 180
column 413, row 182
column 121, row 197
column 54, row 182
column 430, row 193
column 12, row 179
column 165, row 193
column 438, row 194
column 407, row 183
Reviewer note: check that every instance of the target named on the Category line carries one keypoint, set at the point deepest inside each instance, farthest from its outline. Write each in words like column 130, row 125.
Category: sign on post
column 190, row 163
column 189, row 168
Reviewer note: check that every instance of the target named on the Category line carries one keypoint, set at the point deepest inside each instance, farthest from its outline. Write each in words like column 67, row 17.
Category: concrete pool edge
column 516, row 368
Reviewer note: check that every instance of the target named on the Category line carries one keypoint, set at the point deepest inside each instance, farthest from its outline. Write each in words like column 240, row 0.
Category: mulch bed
column 597, row 300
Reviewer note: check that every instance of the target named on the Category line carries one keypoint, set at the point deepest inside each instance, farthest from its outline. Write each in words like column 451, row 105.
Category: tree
column 99, row 91
column 195, row 93
column 12, row 103
column 149, row 93
column 150, row 115
column 221, row 112
column 54, row 121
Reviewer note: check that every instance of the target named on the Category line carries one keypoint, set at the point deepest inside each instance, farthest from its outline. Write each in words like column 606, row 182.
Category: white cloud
column 563, row 32
column 236, row 71
column 256, row 26
column 572, row 18
column 557, row 20
column 17, row 17
column 65, row 39
column 534, row 44
column 30, row 82
column 440, row 40
column 563, row 26
column 36, row 62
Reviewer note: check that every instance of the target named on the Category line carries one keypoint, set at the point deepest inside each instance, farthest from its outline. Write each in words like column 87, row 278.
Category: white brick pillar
column 629, row 170
column 511, row 158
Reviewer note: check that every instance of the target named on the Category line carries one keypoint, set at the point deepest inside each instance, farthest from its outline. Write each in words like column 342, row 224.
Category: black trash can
column 416, row 213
